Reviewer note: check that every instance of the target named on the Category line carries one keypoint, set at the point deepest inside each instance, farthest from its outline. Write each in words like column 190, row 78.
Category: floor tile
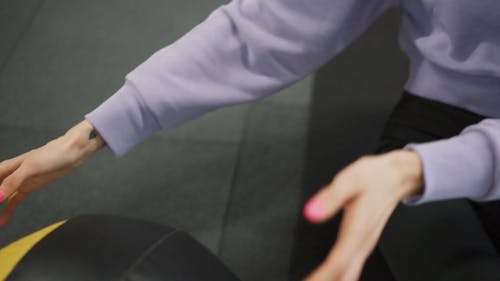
column 262, row 213
column 298, row 94
column 76, row 54
column 15, row 18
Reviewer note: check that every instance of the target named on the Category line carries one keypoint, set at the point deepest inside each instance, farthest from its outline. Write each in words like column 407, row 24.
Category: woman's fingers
column 359, row 232
column 14, row 201
column 328, row 201
column 21, row 175
column 27, row 186
column 344, row 261
column 10, row 165
column 368, row 190
column 362, row 224
column 12, row 182
column 7, row 167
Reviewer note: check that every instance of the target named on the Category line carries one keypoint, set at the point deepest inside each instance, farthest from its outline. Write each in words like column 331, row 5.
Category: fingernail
column 2, row 196
column 314, row 210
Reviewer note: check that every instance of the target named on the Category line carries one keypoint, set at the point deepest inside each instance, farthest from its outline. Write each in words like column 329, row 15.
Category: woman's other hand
column 29, row 171
column 368, row 191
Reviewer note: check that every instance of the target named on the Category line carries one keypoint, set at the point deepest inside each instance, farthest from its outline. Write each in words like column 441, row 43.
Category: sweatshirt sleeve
column 243, row 51
column 465, row 166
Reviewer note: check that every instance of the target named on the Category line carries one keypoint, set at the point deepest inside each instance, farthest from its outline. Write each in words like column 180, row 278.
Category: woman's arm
column 243, row 51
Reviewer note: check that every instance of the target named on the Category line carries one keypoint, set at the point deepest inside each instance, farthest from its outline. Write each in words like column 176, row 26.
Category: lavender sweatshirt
column 249, row 49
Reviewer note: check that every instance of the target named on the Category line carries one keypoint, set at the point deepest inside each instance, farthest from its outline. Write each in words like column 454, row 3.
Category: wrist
column 83, row 140
column 410, row 172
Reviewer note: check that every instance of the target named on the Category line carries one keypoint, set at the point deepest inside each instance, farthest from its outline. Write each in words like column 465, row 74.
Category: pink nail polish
column 2, row 196
column 314, row 210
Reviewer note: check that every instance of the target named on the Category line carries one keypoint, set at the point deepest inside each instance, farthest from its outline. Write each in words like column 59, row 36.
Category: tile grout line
column 234, row 177
column 11, row 51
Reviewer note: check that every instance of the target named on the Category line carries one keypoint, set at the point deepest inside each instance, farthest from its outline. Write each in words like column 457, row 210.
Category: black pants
column 450, row 240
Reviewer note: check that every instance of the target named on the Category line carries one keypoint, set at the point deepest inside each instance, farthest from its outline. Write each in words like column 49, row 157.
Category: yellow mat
column 13, row 253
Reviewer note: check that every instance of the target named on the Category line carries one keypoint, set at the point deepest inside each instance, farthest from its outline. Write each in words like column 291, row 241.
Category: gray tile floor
column 234, row 178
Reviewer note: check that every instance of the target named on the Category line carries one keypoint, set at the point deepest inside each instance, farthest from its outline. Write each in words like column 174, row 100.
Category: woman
column 249, row 49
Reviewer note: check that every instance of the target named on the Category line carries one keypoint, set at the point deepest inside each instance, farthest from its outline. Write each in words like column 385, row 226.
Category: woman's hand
column 368, row 191
column 27, row 172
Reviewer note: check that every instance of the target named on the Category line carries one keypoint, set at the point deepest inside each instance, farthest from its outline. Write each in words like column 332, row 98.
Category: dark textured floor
column 236, row 178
